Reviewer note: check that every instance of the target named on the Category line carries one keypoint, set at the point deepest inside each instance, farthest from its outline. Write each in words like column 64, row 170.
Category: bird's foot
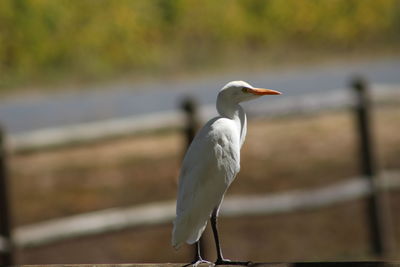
column 197, row 262
column 229, row 262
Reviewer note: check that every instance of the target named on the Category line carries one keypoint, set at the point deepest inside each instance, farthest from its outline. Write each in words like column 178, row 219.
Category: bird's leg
column 220, row 258
column 197, row 257
column 215, row 233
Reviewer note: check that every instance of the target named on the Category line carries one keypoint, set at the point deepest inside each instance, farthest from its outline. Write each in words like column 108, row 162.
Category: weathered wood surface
column 152, row 265
column 260, row 264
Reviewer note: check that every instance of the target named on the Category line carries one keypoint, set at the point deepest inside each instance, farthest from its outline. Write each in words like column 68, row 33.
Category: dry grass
column 279, row 154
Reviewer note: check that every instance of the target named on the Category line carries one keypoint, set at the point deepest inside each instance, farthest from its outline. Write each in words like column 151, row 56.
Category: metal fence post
column 376, row 210
column 5, row 225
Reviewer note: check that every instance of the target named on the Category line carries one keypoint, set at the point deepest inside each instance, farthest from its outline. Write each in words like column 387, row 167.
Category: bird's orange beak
column 262, row 91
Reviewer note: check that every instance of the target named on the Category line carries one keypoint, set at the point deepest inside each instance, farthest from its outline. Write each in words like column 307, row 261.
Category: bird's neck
column 228, row 109
column 236, row 113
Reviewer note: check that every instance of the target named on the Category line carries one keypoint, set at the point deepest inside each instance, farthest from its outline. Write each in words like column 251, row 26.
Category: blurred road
column 25, row 114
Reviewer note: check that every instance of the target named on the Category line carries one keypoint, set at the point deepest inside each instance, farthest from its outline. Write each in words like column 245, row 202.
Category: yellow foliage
column 104, row 37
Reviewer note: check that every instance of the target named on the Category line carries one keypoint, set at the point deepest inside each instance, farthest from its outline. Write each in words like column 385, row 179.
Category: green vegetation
column 90, row 39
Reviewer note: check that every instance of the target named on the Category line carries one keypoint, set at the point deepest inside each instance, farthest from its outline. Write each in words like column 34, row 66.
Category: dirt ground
column 279, row 154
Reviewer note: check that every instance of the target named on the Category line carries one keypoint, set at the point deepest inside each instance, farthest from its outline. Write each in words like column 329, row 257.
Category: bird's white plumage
column 210, row 164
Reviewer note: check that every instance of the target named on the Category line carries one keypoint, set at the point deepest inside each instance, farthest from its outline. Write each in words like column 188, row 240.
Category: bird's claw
column 197, row 262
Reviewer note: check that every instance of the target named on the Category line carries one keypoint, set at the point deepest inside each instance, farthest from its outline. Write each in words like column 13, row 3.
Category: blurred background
column 99, row 99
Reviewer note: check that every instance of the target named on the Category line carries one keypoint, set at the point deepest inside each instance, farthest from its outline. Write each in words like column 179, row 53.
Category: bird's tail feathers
column 196, row 234
column 183, row 232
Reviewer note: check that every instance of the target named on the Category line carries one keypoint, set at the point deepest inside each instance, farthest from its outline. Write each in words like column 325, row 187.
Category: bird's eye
column 244, row 90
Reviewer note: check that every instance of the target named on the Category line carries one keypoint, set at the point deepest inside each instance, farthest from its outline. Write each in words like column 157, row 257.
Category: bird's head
column 240, row 91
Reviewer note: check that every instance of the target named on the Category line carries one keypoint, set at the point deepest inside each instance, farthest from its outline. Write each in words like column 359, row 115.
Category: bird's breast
column 226, row 140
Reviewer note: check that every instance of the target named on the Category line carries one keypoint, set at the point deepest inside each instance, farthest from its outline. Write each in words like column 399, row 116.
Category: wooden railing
column 163, row 212
column 256, row 264
column 89, row 132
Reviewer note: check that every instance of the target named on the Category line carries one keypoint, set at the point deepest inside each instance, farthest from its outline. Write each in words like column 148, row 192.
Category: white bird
column 210, row 166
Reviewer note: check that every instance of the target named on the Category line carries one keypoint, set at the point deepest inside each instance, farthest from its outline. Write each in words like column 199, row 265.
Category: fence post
column 376, row 209
column 190, row 107
column 5, row 226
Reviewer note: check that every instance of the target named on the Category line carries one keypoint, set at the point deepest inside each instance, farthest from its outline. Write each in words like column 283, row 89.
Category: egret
column 210, row 165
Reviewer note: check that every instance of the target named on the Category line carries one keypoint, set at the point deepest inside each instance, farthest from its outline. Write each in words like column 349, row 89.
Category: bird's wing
column 210, row 165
